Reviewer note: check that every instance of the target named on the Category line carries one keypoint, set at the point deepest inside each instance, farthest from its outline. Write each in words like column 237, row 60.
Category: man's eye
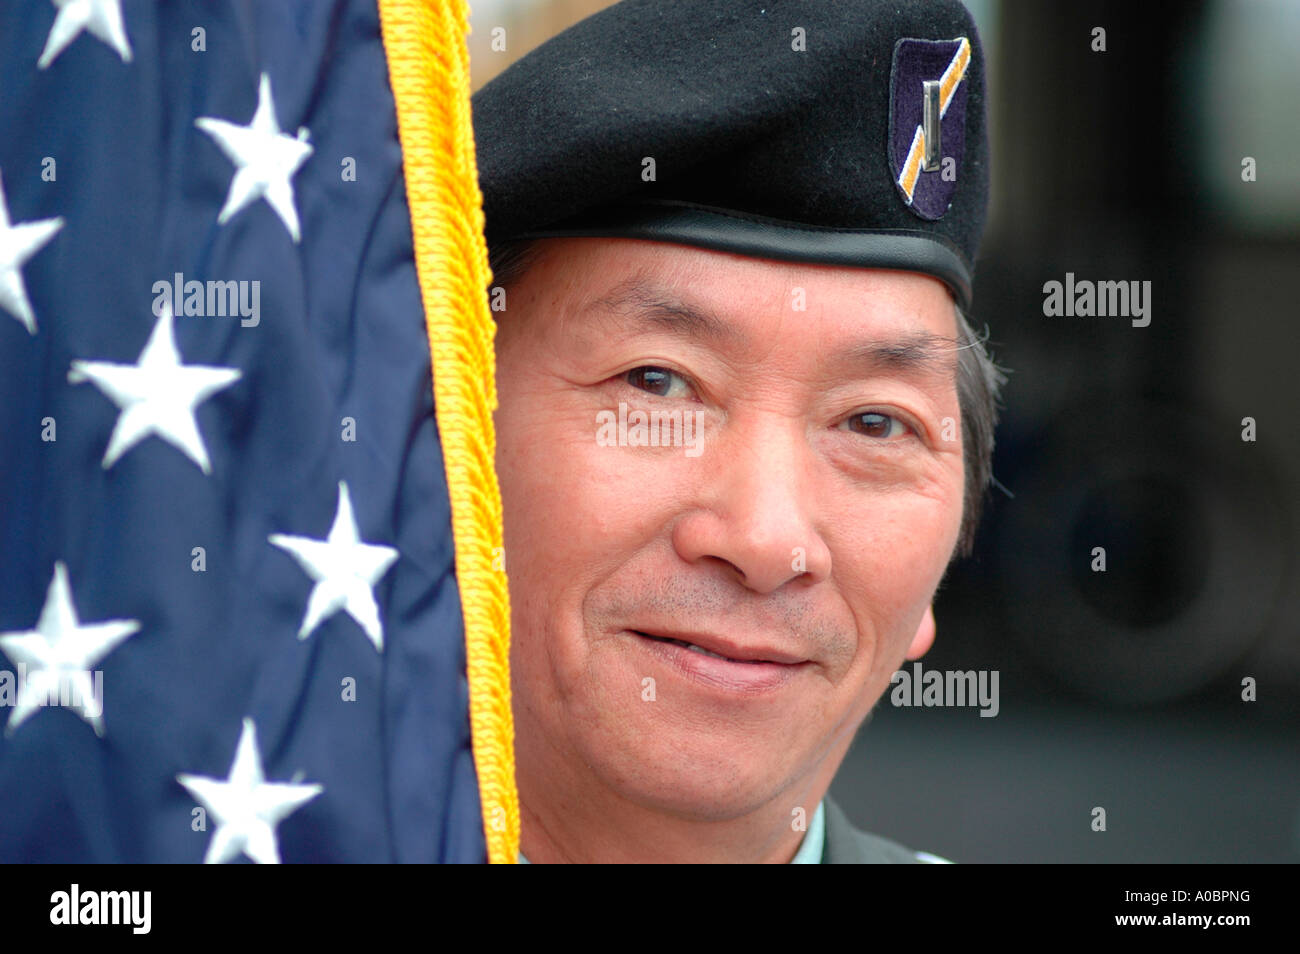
column 658, row 381
column 877, row 425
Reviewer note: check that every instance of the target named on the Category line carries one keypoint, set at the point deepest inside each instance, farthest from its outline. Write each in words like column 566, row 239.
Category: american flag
column 230, row 628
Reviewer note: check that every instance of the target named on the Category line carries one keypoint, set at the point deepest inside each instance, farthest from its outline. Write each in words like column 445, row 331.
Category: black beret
column 792, row 131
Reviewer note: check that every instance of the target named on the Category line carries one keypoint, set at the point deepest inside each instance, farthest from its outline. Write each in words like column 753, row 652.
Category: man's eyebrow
column 916, row 354
column 641, row 298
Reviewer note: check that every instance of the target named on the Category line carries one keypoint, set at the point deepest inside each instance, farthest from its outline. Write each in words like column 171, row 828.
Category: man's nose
column 754, row 508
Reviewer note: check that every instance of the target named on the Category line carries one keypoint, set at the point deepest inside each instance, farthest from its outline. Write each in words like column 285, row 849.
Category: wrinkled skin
column 815, row 523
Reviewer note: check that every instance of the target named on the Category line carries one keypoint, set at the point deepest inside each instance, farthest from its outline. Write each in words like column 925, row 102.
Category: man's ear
column 924, row 637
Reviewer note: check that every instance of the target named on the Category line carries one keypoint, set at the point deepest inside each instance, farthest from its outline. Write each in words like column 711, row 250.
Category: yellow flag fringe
column 428, row 68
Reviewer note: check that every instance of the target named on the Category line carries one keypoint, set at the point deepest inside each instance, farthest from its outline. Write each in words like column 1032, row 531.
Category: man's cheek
column 542, row 452
column 572, row 518
column 888, row 573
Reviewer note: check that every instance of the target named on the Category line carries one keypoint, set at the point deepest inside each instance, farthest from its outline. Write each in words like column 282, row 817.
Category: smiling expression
column 701, row 634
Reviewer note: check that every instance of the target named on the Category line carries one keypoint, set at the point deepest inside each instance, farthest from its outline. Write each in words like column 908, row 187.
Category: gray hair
column 979, row 381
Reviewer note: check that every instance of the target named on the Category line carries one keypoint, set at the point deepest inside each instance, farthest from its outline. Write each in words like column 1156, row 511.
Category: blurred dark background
column 1120, row 689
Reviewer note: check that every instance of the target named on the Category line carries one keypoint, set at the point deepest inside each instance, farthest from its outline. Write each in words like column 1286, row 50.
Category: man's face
column 802, row 537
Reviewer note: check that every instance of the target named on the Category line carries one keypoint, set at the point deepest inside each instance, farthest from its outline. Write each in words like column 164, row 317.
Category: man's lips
column 724, row 648
column 720, row 664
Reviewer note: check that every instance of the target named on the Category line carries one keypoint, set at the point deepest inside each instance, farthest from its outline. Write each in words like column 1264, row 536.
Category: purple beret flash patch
column 927, row 121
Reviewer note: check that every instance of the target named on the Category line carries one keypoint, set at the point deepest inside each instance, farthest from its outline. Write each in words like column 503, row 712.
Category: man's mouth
column 695, row 649
column 721, row 663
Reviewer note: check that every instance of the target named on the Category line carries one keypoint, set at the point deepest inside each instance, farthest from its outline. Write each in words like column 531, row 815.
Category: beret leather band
column 724, row 230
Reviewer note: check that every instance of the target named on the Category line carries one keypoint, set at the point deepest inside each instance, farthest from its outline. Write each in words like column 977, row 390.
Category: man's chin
column 630, row 724
column 701, row 799
column 694, row 775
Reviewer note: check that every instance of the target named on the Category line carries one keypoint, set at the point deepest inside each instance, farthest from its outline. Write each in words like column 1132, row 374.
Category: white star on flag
column 345, row 570
column 18, row 243
column 246, row 806
column 103, row 18
column 58, row 656
column 157, row 395
column 266, row 159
